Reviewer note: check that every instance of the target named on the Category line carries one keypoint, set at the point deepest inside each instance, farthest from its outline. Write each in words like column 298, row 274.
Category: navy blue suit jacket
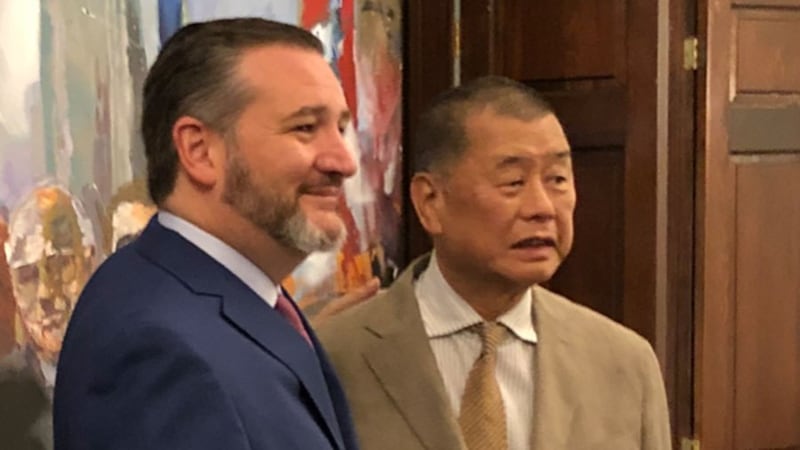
column 167, row 349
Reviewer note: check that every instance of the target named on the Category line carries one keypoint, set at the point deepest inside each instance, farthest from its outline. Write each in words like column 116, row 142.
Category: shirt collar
column 224, row 254
column 444, row 312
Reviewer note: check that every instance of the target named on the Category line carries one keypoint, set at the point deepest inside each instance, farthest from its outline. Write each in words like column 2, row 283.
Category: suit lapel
column 557, row 376
column 402, row 360
column 245, row 310
column 274, row 334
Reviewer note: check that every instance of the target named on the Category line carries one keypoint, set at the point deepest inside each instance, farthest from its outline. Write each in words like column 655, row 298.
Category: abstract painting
column 72, row 166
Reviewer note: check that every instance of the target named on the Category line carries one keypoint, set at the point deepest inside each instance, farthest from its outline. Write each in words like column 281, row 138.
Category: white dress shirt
column 224, row 254
column 447, row 317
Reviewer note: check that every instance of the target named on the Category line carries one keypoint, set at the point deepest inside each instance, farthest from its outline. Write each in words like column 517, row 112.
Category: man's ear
column 195, row 144
column 426, row 196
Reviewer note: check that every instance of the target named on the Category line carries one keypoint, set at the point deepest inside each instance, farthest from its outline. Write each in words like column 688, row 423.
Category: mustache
column 331, row 181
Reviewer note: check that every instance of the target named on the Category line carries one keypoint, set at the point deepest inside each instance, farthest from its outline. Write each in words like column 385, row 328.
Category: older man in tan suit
column 466, row 350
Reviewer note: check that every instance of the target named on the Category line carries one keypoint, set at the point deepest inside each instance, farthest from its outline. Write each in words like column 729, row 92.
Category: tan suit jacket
column 598, row 385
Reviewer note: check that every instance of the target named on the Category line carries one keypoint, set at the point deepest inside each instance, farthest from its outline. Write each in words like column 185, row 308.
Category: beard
column 279, row 216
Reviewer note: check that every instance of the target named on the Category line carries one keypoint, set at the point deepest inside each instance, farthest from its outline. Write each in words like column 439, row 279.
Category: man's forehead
column 499, row 145
column 274, row 65
column 488, row 119
column 293, row 81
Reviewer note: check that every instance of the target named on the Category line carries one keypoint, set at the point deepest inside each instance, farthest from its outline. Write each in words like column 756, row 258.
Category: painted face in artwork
column 50, row 252
column 288, row 157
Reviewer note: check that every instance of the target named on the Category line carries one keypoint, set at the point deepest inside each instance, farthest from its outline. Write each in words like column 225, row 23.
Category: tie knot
column 285, row 308
column 492, row 335
column 282, row 300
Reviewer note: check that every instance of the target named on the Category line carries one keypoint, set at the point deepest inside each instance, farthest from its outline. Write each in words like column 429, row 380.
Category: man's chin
column 330, row 229
column 324, row 219
column 313, row 239
column 534, row 275
column 334, row 241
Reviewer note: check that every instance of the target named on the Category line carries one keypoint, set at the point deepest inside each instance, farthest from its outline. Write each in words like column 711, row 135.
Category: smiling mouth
column 323, row 191
column 323, row 198
column 534, row 242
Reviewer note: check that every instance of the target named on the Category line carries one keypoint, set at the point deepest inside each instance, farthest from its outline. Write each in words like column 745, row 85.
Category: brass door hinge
column 691, row 53
column 690, row 444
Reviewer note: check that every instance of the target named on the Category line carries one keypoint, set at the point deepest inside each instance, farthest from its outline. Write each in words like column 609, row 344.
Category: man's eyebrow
column 562, row 154
column 511, row 160
column 317, row 111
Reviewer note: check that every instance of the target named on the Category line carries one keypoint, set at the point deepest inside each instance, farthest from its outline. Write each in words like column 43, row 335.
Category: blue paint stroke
column 169, row 18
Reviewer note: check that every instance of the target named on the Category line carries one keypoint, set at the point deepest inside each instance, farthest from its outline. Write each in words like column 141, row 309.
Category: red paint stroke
column 346, row 63
column 314, row 12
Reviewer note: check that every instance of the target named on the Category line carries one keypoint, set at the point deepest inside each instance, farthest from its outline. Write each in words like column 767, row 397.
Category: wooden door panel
column 593, row 114
column 748, row 358
column 767, row 303
column 562, row 39
column 598, row 232
column 765, row 79
column 767, row 51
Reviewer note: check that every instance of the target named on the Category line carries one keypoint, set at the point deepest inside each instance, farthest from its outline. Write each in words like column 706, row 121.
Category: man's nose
column 337, row 156
column 537, row 202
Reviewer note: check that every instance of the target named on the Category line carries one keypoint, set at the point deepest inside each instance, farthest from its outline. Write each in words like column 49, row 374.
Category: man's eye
column 305, row 128
column 516, row 183
column 559, row 179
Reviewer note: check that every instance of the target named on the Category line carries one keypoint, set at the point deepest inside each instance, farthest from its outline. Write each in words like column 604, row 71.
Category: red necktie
column 286, row 309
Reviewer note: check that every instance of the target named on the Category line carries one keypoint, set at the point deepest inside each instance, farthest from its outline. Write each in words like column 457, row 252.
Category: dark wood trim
column 680, row 224
column 714, row 244
column 641, row 165
column 478, row 56
column 427, row 70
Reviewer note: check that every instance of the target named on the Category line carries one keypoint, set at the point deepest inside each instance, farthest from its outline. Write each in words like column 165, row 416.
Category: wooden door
column 597, row 61
column 748, row 227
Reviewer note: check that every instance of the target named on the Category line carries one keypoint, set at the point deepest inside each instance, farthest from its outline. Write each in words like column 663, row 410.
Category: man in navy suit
column 183, row 339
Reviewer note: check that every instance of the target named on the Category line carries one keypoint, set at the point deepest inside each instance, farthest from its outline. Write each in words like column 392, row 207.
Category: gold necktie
column 482, row 417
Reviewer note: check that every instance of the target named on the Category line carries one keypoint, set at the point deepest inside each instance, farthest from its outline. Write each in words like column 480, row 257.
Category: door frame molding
column 683, row 141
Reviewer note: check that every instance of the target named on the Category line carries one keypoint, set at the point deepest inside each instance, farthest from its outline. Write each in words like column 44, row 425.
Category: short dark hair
column 195, row 75
column 441, row 137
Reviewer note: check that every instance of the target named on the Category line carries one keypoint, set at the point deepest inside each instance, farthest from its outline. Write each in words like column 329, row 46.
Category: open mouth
column 534, row 243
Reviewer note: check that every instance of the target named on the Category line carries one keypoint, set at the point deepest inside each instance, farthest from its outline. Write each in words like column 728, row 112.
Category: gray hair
column 441, row 137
